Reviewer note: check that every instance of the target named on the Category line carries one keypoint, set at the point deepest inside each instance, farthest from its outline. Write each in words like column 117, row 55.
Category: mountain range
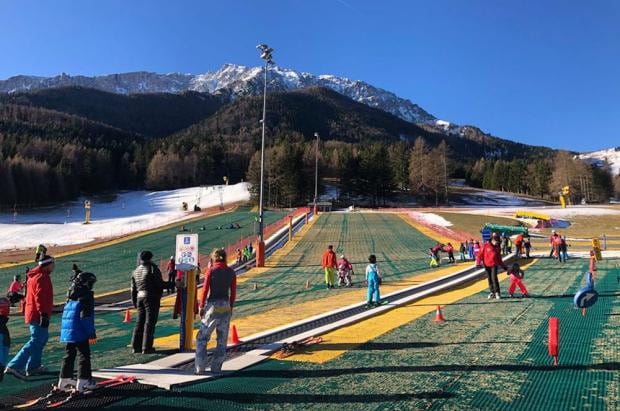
column 230, row 81
column 201, row 95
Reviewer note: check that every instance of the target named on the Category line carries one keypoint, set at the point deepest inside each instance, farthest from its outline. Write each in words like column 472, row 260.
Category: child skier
column 563, row 250
column 476, row 250
column 516, row 279
column 450, row 250
column 78, row 332
column 345, row 269
column 462, row 252
column 5, row 337
column 15, row 291
column 373, row 278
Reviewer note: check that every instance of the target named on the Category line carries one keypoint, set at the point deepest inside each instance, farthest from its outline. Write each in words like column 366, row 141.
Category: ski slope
column 127, row 213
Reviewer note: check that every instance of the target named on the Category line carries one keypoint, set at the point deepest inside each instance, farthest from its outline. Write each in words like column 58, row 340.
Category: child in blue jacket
column 374, row 280
column 78, row 331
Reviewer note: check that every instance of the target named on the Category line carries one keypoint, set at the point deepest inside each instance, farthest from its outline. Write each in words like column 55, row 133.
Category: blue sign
column 586, row 297
column 186, row 240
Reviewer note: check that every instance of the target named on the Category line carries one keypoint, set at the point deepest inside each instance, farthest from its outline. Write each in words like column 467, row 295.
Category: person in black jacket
column 147, row 288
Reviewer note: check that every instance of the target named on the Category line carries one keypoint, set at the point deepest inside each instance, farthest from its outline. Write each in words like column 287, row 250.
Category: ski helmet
column 86, row 279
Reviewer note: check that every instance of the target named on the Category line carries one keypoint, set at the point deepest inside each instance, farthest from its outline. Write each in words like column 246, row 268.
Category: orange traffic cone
column 308, row 284
column 235, row 336
column 439, row 315
column 127, row 316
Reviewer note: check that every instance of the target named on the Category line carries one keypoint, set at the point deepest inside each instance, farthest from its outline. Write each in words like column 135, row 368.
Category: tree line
column 47, row 156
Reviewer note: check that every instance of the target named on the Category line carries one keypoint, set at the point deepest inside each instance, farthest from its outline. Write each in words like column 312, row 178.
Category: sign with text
column 186, row 257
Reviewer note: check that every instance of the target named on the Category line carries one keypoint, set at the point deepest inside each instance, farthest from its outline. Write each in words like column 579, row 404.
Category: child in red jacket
column 516, row 280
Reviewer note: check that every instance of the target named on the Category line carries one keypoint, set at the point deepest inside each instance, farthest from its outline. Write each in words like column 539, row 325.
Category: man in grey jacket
column 147, row 287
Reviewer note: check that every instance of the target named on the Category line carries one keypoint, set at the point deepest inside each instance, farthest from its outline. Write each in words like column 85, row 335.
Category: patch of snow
column 129, row 212
column 612, row 155
column 430, row 218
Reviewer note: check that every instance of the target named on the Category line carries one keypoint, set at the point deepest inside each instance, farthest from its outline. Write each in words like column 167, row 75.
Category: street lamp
column 265, row 51
column 316, row 173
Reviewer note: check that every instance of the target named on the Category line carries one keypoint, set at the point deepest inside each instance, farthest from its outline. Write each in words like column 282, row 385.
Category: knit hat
column 146, row 255
column 46, row 260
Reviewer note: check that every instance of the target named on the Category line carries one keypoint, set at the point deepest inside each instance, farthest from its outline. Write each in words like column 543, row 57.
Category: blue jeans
column 29, row 357
column 373, row 287
column 4, row 352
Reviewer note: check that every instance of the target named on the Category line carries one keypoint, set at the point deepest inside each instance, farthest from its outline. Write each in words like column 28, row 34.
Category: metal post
column 260, row 249
column 316, row 173
column 190, row 304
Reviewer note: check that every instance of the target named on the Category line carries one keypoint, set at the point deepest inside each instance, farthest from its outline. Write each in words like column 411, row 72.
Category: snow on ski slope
column 612, row 155
column 129, row 212
column 430, row 218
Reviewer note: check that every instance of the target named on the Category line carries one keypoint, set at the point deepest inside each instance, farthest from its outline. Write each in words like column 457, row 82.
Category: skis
column 55, row 394
column 75, row 395
column 289, row 349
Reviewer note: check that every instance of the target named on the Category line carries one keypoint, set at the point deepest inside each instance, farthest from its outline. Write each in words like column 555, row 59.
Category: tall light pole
column 316, row 173
column 260, row 248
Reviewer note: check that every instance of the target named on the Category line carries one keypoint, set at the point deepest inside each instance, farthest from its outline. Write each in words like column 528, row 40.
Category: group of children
column 345, row 271
column 439, row 247
column 77, row 330
column 245, row 254
column 559, row 247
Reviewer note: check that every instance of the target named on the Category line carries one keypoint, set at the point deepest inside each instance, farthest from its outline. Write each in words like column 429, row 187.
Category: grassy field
column 488, row 355
column 113, row 264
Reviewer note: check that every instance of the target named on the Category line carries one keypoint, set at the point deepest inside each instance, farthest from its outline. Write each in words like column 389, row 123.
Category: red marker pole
column 554, row 339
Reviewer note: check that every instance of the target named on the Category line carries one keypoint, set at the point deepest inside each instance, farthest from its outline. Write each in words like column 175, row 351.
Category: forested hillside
column 165, row 141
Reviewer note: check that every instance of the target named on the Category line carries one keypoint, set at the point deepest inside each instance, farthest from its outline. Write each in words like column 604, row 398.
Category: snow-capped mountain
column 231, row 80
column 611, row 155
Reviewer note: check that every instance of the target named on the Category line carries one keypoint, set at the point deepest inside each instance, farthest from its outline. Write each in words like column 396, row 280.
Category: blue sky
column 538, row 72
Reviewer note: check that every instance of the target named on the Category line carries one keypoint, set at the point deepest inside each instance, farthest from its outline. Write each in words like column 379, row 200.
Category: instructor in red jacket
column 491, row 257
column 39, row 304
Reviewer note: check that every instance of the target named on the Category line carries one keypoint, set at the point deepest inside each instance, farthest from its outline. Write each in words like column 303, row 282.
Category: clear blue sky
column 539, row 72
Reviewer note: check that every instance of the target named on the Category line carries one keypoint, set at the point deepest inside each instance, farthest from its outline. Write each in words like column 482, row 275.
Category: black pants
column 148, row 311
column 492, row 278
column 171, row 278
column 14, row 298
column 68, row 362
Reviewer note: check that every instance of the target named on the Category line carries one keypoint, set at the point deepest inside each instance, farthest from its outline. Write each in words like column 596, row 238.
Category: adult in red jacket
column 490, row 256
column 328, row 262
column 39, row 304
column 218, row 298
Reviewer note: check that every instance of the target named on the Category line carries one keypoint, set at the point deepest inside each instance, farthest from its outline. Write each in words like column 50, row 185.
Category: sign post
column 87, row 212
column 186, row 259
column 596, row 247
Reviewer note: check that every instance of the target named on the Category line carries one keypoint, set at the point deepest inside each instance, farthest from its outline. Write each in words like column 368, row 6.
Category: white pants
column 217, row 317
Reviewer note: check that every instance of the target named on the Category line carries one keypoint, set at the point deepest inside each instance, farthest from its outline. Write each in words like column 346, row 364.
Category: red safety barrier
column 554, row 339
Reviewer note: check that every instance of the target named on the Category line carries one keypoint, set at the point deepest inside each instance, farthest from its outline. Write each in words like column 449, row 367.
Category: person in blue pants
column 374, row 280
column 5, row 337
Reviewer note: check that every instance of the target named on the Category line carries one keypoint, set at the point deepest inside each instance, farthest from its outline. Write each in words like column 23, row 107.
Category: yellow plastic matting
column 367, row 330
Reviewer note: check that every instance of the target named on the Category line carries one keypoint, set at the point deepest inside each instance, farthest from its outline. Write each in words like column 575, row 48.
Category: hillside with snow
column 598, row 158
column 231, row 80
column 127, row 213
